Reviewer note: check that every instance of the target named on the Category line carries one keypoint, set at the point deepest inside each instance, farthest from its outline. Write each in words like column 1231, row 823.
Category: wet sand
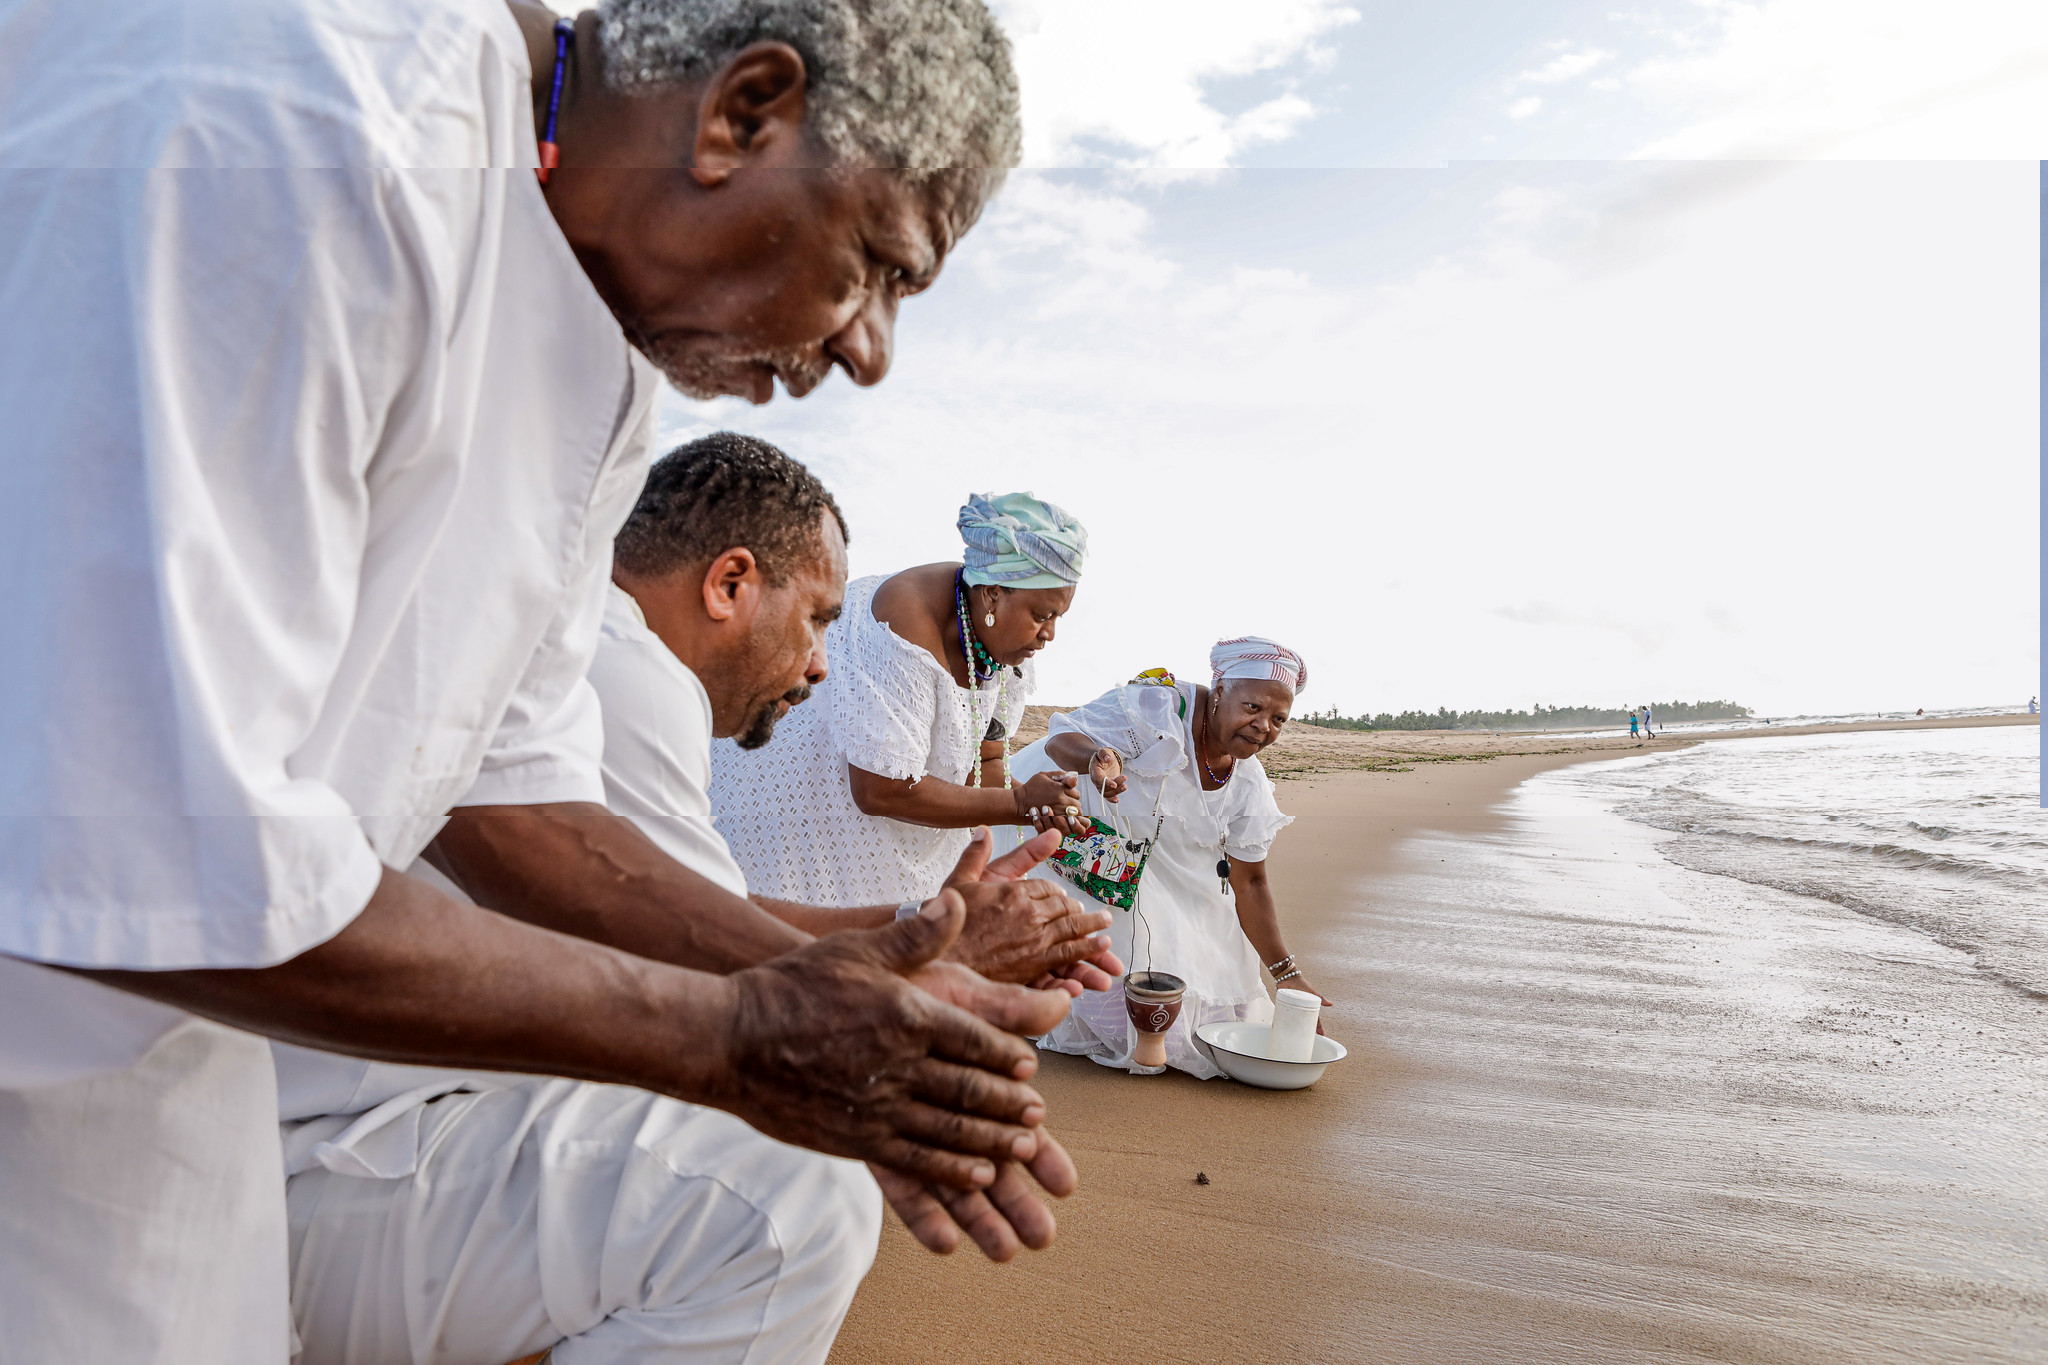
column 1592, row 1125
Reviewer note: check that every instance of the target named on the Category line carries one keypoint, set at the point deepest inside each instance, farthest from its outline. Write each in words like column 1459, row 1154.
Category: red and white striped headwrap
column 1253, row 656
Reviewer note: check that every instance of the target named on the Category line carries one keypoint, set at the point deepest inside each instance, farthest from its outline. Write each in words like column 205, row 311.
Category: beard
column 704, row 372
column 761, row 728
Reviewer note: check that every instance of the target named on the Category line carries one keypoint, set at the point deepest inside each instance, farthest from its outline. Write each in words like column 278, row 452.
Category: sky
column 1497, row 354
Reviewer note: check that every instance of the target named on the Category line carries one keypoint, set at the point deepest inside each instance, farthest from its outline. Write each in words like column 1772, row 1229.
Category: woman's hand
column 1300, row 983
column 1106, row 771
column 1052, row 800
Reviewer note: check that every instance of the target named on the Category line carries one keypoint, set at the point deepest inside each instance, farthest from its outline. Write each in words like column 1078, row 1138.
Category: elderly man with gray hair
column 312, row 476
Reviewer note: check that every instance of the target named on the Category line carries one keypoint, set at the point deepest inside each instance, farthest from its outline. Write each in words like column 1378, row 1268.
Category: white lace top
column 886, row 706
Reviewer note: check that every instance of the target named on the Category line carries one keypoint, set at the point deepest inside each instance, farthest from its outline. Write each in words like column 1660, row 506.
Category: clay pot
column 1152, row 999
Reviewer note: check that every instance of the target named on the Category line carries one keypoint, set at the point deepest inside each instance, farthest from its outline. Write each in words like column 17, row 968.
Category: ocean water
column 1689, row 728
column 1938, row 831
column 1738, row 1053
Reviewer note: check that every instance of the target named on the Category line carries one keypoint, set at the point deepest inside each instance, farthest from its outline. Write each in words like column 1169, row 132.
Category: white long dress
column 886, row 706
column 1183, row 922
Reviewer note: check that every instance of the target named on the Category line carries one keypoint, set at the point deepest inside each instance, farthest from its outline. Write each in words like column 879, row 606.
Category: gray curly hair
column 922, row 85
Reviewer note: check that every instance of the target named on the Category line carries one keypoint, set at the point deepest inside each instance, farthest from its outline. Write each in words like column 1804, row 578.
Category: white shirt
column 657, row 768
column 310, row 483
column 657, row 743
column 888, row 707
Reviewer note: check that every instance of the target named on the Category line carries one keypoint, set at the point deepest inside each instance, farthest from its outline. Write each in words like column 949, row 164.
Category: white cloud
column 1567, row 66
column 1889, row 79
column 1525, row 106
column 1123, row 83
column 1514, row 474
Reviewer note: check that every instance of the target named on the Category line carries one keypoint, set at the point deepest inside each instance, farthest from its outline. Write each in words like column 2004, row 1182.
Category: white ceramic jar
column 1293, row 1038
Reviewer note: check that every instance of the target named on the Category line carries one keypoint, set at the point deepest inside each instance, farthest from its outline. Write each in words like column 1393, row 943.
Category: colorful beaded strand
column 550, row 153
column 976, row 654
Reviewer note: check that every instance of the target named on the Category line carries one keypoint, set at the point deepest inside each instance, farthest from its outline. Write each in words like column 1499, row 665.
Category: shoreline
column 1336, row 1218
column 1309, row 750
column 1140, row 1141
column 1305, row 750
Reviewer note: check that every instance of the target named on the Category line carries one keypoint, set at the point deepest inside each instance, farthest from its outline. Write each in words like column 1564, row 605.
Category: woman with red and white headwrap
column 1182, row 760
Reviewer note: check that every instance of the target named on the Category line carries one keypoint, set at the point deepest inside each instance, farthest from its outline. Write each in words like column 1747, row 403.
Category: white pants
column 141, row 1218
column 607, row 1223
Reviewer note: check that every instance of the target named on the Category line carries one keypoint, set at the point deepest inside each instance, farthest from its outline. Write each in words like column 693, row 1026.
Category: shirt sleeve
column 549, row 746
column 882, row 704
column 225, row 368
column 1141, row 722
column 1258, row 821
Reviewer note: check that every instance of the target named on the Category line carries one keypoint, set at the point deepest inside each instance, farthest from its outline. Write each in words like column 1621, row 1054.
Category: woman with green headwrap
column 866, row 794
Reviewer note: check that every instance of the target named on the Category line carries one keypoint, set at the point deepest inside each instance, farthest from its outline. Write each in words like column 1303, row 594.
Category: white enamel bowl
column 1240, row 1049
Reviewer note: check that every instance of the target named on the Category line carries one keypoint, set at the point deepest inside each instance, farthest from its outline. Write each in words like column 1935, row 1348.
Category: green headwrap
column 1018, row 541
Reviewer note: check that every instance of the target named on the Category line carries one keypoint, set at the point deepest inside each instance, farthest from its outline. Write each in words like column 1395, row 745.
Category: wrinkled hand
column 1106, row 771
column 1001, row 1220
column 832, row 1047
column 1026, row 929
column 1300, row 983
column 1052, row 800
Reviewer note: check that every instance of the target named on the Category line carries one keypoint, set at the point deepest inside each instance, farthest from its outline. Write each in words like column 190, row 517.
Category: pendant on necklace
column 1223, row 874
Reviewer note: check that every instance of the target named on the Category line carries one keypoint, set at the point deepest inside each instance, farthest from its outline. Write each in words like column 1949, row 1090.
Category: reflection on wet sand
column 1600, row 1108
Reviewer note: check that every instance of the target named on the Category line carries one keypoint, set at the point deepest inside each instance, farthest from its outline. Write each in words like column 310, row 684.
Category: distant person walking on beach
column 1634, row 724
column 1648, row 720
column 2034, row 706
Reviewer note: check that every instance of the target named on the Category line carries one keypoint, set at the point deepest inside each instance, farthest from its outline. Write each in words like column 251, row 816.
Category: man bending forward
column 472, row 1219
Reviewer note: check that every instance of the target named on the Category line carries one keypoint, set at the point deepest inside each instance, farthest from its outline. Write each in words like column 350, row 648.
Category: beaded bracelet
column 1289, row 977
column 1282, row 965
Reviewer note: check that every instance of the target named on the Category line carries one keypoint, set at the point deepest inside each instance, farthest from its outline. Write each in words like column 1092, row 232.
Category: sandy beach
column 1560, row 1136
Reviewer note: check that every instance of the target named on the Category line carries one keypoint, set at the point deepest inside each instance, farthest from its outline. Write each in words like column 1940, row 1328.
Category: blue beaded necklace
column 550, row 153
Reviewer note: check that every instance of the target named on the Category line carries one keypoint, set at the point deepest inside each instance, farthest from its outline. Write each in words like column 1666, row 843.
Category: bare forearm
column 992, row 764
column 820, row 920
column 931, row 802
column 1072, row 751
column 422, row 978
column 581, row 870
column 1256, row 913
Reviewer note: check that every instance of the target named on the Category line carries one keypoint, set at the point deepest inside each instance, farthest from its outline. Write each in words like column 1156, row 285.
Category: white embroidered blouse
column 887, row 706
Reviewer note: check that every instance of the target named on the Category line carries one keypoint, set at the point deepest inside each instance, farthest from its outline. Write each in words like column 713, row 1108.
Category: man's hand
column 1005, row 1216
column 832, row 1047
column 1001, row 1220
column 1026, row 929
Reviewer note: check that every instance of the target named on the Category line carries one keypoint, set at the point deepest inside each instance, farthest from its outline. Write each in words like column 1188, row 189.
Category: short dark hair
column 721, row 492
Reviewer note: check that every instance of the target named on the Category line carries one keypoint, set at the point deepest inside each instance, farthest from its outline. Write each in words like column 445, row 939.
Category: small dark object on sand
column 1201, row 1177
